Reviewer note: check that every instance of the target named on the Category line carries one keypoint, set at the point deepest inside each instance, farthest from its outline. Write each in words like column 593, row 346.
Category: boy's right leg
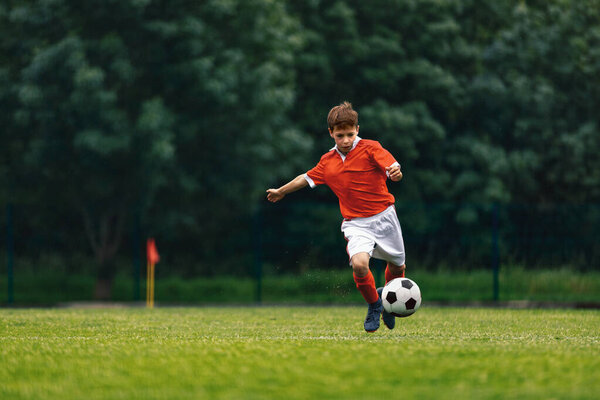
column 392, row 271
column 365, row 283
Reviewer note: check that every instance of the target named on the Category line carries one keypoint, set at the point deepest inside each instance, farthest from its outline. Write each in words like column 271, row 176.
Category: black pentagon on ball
column 410, row 304
column 391, row 297
column 407, row 284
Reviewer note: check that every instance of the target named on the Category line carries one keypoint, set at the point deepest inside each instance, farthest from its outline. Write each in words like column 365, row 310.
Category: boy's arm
column 274, row 195
column 386, row 161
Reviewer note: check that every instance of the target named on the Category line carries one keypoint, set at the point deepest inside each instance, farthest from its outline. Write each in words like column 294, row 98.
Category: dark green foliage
column 183, row 113
column 543, row 79
column 171, row 110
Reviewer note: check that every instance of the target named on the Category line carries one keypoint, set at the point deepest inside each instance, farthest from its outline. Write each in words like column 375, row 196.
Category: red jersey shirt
column 358, row 179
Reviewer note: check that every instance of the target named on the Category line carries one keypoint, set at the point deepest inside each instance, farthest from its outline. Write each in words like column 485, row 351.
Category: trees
column 227, row 70
column 93, row 144
column 482, row 100
column 184, row 113
column 539, row 96
column 405, row 65
column 153, row 105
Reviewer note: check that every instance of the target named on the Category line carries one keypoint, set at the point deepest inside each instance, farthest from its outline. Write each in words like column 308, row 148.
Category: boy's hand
column 274, row 195
column 394, row 173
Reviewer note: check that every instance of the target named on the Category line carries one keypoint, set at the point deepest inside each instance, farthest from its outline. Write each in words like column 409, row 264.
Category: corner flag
column 151, row 252
column 152, row 257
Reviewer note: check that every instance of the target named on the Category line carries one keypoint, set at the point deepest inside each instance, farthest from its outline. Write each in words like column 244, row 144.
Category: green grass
column 297, row 353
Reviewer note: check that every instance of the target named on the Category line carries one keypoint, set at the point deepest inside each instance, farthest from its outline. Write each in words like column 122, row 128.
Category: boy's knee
column 396, row 269
column 360, row 270
column 360, row 264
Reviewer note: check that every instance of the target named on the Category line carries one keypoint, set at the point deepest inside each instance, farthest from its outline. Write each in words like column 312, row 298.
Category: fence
column 293, row 237
column 457, row 235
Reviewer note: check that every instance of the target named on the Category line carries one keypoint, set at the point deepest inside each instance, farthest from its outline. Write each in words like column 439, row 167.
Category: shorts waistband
column 367, row 219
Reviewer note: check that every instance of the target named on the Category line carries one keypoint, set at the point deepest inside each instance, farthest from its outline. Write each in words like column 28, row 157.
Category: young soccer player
column 356, row 170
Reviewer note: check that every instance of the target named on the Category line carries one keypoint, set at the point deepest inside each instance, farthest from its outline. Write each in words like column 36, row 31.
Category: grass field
column 297, row 353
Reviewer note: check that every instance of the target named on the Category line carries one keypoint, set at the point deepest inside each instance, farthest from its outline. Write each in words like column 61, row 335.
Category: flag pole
column 152, row 257
column 148, row 284
column 152, row 285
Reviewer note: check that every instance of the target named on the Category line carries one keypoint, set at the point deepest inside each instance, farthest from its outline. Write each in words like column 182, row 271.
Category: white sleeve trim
column 393, row 165
column 311, row 183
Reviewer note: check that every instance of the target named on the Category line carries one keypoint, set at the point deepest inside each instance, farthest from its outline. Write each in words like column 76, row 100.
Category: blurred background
column 123, row 120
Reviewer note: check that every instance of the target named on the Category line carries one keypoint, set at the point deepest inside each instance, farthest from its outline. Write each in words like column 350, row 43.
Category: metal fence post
column 256, row 236
column 10, row 254
column 137, row 259
column 495, row 253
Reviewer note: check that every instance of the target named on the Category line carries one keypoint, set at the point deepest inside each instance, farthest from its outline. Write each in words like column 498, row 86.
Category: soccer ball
column 401, row 297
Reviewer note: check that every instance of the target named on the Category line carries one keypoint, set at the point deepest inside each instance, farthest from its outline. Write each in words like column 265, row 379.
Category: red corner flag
column 151, row 252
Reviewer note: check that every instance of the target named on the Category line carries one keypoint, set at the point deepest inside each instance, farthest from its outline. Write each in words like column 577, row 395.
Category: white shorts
column 379, row 235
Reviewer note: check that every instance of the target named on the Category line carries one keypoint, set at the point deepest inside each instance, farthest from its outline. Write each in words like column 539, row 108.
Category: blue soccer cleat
column 372, row 320
column 388, row 319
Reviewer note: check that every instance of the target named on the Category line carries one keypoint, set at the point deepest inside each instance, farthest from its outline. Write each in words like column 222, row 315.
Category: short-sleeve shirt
column 358, row 179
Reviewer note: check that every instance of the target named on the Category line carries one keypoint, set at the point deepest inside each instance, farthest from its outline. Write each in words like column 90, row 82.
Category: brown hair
column 342, row 115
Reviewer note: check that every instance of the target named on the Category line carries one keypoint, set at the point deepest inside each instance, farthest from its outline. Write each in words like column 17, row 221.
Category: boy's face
column 344, row 137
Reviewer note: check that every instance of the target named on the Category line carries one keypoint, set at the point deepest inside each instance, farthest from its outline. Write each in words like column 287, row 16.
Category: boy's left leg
column 392, row 271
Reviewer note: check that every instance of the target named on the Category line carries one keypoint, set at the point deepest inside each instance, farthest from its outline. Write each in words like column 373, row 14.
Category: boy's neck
column 354, row 144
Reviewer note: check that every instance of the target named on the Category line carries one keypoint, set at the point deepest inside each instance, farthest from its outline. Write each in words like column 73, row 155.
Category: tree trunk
column 104, row 280
column 103, row 289
column 105, row 239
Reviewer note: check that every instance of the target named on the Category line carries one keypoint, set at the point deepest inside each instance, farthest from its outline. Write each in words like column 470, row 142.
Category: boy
column 356, row 170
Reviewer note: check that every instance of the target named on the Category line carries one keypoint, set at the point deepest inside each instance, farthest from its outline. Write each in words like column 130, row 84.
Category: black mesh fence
column 465, row 236
column 293, row 236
